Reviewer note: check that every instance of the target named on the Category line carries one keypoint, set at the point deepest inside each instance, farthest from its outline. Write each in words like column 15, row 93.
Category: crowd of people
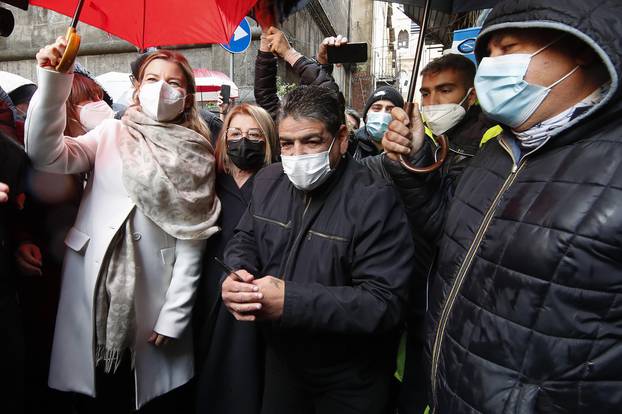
column 280, row 259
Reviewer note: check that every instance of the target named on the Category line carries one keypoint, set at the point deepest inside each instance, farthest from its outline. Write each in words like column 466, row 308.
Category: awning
column 209, row 83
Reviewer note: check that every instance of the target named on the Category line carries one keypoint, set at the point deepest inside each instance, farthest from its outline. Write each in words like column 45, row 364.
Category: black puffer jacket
column 525, row 307
column 309, row 71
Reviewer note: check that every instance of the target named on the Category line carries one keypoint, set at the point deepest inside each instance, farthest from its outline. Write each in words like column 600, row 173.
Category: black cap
column 384, row 93
column 23, row 93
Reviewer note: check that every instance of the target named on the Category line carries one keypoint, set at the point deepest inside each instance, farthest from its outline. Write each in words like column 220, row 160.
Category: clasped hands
column 251, row 299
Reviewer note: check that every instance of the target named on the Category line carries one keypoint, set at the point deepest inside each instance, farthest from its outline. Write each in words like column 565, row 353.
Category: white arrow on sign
column 239, row 34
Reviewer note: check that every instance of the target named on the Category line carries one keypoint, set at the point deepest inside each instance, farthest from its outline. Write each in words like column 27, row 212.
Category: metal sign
column 241, row 39
column 464, row 42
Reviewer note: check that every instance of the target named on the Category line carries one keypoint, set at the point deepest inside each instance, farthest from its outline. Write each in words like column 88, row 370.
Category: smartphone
column 225, row 92
column 348, row 53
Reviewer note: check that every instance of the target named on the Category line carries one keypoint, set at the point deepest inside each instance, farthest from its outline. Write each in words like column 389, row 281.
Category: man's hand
column 277, row 42
column 405, row 135
column 28, row 257
column 322, row 54
column 264, row 43
column 157, row 339
column 241, row 297
column 50, row 55
column 4, row 193
column 273, row 291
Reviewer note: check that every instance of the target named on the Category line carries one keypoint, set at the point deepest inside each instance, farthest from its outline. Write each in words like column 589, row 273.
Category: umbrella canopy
column 10, row 81
column 118, row 86
column 209, row 83
column 452, row 6
column 146, row 23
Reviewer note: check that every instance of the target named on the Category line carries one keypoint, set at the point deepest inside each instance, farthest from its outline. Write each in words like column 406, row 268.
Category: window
column 402, row 39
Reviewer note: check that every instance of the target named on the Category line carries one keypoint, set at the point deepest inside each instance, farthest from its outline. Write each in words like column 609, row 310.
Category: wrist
column 292, row 56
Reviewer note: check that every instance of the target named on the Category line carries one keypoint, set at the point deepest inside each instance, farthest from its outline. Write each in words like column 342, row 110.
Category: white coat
column 169, row 268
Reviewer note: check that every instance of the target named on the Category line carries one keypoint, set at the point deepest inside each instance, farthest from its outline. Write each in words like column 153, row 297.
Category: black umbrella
column 449, row 7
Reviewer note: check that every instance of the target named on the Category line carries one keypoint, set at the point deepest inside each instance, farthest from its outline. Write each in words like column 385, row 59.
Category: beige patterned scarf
column 169, row 172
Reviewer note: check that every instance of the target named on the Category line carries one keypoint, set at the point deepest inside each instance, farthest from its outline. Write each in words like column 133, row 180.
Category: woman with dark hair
column 134, row 253
column 230, row 353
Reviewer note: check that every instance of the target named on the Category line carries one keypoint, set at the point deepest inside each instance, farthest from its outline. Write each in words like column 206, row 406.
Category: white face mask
column 160, row 101
column 94, row 113
column 441, row 118
column 308, row 171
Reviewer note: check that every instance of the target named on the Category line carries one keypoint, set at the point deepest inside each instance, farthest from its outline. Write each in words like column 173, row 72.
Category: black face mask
column 246, row 154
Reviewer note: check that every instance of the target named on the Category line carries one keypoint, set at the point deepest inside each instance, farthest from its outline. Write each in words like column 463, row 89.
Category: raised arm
column 45, row 144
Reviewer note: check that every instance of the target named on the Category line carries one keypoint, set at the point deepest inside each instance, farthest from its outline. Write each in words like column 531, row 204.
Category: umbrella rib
column 222, row 23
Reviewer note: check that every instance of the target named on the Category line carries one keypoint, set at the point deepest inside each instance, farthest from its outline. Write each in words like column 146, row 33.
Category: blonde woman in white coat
column 133, row 256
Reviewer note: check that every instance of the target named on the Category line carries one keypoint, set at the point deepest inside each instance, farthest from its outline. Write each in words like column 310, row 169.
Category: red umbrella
column 146, row 23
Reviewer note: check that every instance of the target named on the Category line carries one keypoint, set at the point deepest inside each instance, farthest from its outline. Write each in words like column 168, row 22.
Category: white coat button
column 136, row 236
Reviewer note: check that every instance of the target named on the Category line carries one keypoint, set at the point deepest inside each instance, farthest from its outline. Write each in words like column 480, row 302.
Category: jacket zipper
column 327, row 236
column 466, row 264
column 307, row 202
column 278, row 223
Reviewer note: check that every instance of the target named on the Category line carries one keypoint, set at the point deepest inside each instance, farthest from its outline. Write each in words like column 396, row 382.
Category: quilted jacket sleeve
column 312, row 73
column 265, row 82
column 425, row 196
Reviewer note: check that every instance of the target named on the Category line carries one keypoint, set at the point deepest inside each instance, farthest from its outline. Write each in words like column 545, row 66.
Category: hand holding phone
column 347, row 53
column 225, row 93
column 331, row 41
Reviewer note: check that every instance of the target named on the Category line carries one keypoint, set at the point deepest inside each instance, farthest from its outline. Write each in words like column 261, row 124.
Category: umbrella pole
column 409, row 106
column 419, row 51
column 73, row 42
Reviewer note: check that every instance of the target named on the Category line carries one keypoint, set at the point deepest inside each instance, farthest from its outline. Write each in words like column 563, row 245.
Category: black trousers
column 12, row 393
column 347, row 391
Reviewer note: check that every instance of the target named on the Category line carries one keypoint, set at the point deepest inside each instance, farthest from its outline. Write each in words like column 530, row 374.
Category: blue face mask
column 502, row 91
column 377, row 124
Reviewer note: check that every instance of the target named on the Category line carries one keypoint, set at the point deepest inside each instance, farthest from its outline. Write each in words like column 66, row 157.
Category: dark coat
column 345, row 253
column 13, row 164
column 464, row 142
column 362, row 145
column 229, row 353
column 524, row 311
column 214, row 123
column 309, row 71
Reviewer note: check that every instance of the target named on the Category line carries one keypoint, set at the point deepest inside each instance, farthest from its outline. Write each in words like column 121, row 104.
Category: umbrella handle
column 71, row 51
column 442, row 141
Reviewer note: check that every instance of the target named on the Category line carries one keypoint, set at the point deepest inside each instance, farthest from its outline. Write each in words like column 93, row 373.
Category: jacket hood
column 598, row 24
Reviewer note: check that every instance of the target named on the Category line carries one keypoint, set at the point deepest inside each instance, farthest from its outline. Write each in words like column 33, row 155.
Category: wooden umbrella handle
column 442, row 141
column 71, row 51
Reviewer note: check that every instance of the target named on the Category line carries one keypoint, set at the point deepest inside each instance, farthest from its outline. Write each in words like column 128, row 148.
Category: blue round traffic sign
column 241, row 39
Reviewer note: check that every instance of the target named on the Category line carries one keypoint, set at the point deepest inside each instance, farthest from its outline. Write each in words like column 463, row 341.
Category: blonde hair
column 266, row 125
column 191, row 114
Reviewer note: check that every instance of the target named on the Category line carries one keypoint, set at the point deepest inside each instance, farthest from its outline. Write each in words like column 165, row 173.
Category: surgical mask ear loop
column 329, row 150
column 551, row 86
column 466, row 96
column 554, row 84
column 557, row 39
